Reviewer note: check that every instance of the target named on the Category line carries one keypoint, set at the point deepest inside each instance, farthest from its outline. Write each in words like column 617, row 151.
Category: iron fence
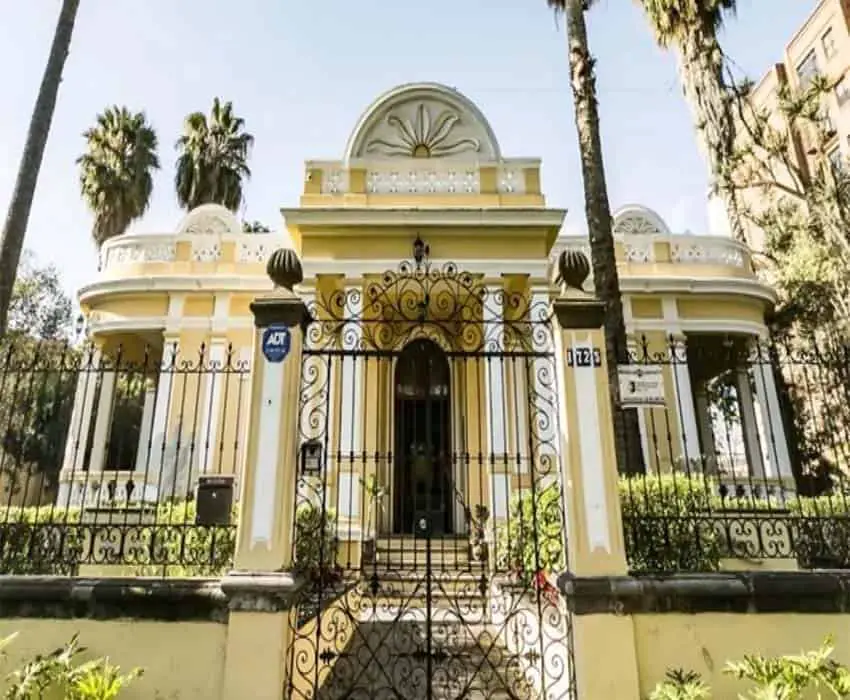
column 747, row 456
column 121, row 460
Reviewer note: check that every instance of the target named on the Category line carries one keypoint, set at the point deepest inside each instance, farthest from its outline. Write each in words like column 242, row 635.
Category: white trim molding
column 346, row 217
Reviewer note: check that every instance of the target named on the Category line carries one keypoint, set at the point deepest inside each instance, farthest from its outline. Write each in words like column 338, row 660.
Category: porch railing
column 747, row 457
column 119, row 460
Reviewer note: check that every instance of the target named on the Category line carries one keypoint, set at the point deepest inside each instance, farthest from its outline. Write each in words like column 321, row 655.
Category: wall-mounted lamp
column 311, row 458
column 421, row 251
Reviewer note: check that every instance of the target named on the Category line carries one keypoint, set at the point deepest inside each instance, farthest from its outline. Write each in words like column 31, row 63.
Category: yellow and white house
column 422, row 179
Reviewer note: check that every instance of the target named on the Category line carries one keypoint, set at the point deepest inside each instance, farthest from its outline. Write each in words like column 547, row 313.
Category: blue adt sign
column 277, row 341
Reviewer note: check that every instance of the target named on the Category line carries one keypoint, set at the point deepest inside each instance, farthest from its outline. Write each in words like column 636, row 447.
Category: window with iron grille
column 808, row 69
column 830, row 48
column 834, row 157
column 842, row 90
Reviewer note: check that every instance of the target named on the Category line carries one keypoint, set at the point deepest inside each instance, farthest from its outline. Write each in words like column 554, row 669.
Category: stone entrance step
column 408, row 552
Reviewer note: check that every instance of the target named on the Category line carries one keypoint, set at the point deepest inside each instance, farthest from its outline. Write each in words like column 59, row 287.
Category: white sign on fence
column 641, row 385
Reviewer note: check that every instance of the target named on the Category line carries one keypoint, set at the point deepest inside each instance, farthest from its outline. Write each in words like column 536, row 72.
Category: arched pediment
column 634, row 219
column 423, row 120
column 210, row 220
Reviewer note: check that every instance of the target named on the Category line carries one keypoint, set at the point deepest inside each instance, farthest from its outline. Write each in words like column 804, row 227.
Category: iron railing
column 106, row 457
column 747, row 458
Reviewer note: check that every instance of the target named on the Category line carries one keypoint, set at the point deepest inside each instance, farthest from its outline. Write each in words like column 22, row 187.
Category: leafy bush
column 175, row 546
column 667, row 523
column 681, row 685
column 315, row 541
column 531, row 543
column 822, row 531
column 40, row 541
column 53, row 541
column 58, row 675
column 783, row 677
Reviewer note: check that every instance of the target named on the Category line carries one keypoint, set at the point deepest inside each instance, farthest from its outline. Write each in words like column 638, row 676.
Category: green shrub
column 52, row 541
column 59, row 675
column 40, row 541
column 771, row 677
column 315, row 541
column 532, row 541
column 175, row 546
column 668, row 524
column 822, row 531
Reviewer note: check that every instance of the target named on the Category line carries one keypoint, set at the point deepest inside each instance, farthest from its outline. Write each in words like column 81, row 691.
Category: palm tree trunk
column 599, row 223
column 701, row 64
column 14, row 231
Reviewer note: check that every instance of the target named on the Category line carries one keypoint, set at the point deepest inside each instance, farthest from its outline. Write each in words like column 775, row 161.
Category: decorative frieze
column 138, row 252
column 335, row 181
column 424, row 181
column 639, row 249
column 708, row 252
column 511, row 180
column 206, row 249
column 253, row 252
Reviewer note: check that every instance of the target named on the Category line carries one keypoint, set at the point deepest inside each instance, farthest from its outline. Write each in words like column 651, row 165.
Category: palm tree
column 691, row 27
column 116, row 171
column 15, row 228
column 212, row 164
column 600, row 227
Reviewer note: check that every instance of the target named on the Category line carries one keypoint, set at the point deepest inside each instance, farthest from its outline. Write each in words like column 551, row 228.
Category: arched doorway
column 422, row 470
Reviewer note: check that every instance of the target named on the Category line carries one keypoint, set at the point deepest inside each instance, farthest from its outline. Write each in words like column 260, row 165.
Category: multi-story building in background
column 821, row 46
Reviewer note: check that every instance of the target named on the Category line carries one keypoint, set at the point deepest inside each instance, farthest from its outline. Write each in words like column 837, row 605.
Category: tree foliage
column 771, row 678
column 691, row 27
column 38, row 370
column 255, row 227
column 212, row 164
column 39, row 308
column 600, row 225
column 116, row 170
column 801, row 205
column 61, row 674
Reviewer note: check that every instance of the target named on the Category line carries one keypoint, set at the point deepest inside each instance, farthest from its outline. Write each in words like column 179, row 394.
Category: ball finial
column 284, row 268
column 573, row 268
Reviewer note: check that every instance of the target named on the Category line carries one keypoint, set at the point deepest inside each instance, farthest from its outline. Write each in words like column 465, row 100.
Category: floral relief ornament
column 424, row 137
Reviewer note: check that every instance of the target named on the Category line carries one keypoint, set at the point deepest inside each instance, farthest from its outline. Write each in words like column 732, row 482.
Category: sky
column 300, row 72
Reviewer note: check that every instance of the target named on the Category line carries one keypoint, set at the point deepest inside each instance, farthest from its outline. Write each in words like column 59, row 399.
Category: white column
column 685, row 405
column 749, row 424
column 211, row 409
column 775, row 443
column 644, row 414
column 349, row 378
column 159, row 424
column 103, row 422
column 246, row 357
column 82, row 414
column 146, row 428
column 494, row 398
column 705, row 428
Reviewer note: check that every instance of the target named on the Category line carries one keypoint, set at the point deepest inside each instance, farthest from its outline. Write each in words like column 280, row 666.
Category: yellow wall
column 705, row 642
column 181, row 660
column 446, row 243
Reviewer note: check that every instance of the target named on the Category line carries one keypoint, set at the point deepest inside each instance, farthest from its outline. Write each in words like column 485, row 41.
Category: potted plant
column 478, row 547
column 375, row 494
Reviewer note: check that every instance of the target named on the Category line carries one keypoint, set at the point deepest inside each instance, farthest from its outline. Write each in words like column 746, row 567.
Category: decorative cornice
column 287, row 310
column 50, row 597
column 744, row 592
column 579, row 314
column 343, row 217
column 261, row 591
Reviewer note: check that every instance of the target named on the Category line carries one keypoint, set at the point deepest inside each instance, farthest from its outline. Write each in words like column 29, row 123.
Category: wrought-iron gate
column 429, row 520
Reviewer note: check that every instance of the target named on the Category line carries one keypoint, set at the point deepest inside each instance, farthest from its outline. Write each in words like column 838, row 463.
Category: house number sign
column 584, row 357
column 276, row 342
